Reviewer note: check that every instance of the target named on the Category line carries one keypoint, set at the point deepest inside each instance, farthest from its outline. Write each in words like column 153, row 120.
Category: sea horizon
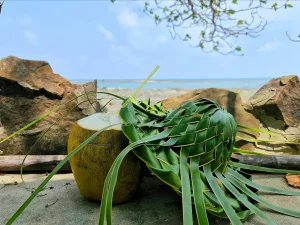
column 226, row 83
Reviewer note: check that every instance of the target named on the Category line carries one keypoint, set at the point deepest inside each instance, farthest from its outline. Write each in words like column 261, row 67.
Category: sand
column 155, row 95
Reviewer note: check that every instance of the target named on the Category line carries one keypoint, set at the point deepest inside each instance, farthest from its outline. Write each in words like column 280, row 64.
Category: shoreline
column 157, row 94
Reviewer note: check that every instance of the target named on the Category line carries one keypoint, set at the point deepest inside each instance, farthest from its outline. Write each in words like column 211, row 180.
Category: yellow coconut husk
column 91, row 164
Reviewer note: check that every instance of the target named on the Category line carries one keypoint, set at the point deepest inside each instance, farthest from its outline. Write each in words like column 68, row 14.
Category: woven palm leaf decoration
column 189, row 149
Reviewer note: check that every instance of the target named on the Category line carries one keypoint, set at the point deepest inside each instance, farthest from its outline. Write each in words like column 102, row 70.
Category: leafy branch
column 212, row 25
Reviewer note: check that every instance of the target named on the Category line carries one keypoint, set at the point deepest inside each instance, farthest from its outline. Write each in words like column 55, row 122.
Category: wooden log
column 12, row 163
column 291, row 162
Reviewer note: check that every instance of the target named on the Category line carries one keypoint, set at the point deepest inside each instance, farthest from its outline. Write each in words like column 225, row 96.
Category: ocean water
column 187, row 84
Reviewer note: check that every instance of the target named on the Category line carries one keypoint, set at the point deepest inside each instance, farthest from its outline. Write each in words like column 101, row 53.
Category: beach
column 157, row 95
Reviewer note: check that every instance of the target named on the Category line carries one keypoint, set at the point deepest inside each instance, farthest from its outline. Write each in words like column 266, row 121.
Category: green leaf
column 198, row 189
column 257, row 198
column 186, row 188
column 202, row 34
column 246, row 152
column 111, row 178
column 274, row 6
column 258, row 130
column 187, row 37
column 238, row 49
column 253, row 140
column 234, row 1
column 243, row 179
column 263, row 169
column 240, row 22
column 233, row 217
column 166, row 9
column 140, row 87
column 157, row 19
column 244, row 199
column 231, row 11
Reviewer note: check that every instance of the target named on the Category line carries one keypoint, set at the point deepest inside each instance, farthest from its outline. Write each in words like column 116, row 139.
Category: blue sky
column 101, row 40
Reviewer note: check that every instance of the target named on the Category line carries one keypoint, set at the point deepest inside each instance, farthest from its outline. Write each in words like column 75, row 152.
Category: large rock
column 277, row 106
column 279, row 98
column 228, row 100
column 28, row 89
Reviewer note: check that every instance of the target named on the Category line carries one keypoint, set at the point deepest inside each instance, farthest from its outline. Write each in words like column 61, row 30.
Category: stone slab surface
column 156, row 203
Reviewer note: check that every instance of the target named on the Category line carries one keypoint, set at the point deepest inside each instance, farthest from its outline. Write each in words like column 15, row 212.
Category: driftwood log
column 11, row 163
column 290, row 162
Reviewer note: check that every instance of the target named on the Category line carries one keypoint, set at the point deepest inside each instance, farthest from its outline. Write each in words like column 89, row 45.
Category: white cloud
column 122, row 53
column 108, row 35
column 269, row 46
column 31, row 37
column 128, row 19
column 25, row 21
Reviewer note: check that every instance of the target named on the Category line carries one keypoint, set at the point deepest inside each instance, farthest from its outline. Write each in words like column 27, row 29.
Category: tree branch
column 219, row 23
column 294, row 40
column 1, row 4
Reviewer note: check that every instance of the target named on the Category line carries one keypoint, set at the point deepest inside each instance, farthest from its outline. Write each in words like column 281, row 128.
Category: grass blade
column 257, row 130
column 266, row 141
column 263, row 169
column 111, row 178
column 245, row 152
column 140, row 87
column 40, row 138
column 233, row 217
column 261, row 187
column 54, row 171
column 254, row 196
column 53, row 111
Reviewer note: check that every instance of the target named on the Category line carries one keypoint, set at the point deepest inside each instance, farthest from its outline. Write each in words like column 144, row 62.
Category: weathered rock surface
column 28, row 89
column 279, row 98
column 228, row 100
column 277, row 106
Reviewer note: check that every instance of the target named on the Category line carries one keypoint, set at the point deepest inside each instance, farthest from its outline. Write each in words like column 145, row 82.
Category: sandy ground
column 61, row 203
column 156, row 95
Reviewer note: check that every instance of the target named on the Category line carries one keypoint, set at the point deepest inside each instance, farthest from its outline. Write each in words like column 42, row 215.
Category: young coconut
column 91, row 165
